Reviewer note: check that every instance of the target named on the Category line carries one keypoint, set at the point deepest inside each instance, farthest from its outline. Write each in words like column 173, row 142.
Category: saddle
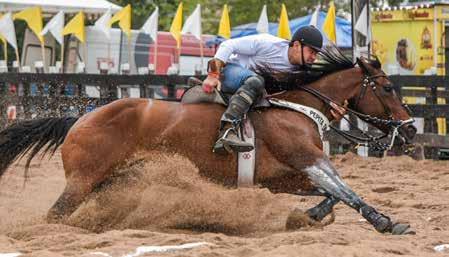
column 195, row 94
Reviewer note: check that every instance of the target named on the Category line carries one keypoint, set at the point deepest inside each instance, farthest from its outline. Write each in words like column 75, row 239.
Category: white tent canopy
column 53, row 6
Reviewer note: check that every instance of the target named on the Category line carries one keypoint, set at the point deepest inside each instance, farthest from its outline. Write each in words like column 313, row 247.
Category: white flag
column 102, row 24
column 55, row 27
column 193, row 23
column 262, row 24
column 7, row 29
column 150, row 26
column 314, row 18
column 362, row 23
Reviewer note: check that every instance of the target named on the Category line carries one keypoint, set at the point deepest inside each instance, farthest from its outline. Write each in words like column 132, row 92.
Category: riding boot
column 239, row 104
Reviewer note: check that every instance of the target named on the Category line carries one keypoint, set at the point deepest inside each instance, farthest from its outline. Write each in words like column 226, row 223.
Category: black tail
column 32, row 135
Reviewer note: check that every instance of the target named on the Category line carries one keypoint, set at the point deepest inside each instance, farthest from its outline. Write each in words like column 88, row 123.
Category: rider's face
column 295, row 54
column 309, row 55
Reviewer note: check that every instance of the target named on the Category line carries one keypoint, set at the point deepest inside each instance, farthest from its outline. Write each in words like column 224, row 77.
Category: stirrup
column 231, row 145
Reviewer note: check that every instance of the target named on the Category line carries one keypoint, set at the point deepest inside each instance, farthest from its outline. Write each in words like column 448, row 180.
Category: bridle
column 368, row 81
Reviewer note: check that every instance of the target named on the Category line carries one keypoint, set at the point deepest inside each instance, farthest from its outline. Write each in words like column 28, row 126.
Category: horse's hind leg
column 84, row 172
column 74, row 194
column 326, row 178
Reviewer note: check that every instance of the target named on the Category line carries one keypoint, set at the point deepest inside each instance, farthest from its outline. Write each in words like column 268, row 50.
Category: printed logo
column 246, row 156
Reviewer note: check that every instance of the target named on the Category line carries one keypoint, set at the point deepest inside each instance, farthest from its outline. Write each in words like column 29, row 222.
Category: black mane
column 331, row 60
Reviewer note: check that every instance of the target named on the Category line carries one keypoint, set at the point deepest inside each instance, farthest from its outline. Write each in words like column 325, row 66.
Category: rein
column 367, row 139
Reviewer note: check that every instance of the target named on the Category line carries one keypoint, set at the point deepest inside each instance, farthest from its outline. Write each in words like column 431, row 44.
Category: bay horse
column 289, row 149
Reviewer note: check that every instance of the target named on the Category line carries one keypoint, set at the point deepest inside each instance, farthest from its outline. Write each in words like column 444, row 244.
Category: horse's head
column 377, row 97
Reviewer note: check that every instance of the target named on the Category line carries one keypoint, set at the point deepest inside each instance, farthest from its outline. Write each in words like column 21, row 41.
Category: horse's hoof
column 298, row 219
column 402, row 229
column 53, row 218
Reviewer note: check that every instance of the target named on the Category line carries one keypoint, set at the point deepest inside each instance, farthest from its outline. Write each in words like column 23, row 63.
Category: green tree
column 381, row 3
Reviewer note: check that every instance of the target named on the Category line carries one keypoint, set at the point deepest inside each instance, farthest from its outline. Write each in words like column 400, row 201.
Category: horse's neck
column 338, row 86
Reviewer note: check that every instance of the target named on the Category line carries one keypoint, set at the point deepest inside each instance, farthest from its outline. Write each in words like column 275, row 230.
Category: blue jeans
column 233, row 77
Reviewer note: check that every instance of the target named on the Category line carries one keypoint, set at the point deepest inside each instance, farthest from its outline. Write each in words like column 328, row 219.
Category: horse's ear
column 377, row 63
column 362, row 62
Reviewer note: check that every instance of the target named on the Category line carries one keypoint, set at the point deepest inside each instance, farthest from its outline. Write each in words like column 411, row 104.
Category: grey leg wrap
column 322, row 209
column 324, row 176
column 239, row 104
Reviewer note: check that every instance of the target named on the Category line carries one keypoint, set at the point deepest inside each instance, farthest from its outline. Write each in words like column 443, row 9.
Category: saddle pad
column 247, row 160
column 316, row 116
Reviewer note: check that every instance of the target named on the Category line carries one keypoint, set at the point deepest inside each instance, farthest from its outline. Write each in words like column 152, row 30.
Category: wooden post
column 43, row 55
column 202, row 56
column 179, row 59
column 155, row 55
column 85, row 56
column 129, row 52
column 5, row 51
column 18, row 58
column 62, row 58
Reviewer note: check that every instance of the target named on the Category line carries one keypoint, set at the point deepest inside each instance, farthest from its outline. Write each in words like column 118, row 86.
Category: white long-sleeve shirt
column 262, row 50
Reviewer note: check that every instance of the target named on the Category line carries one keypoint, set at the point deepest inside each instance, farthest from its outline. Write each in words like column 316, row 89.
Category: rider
column 236, row 63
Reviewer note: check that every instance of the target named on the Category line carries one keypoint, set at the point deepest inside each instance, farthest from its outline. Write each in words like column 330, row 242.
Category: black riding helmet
column 309, row 36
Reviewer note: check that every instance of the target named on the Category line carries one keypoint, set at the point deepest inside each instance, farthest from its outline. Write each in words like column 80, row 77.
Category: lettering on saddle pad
column 316, row 116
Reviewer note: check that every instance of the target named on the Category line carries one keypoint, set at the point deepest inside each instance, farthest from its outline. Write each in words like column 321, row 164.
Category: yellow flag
column 1, row 37
column 5, row 48
column 33, row 17
column 329, row 24
column 224, row 29
column 176, row 26
column 5, row 44
column 76, row 27
column 284, row 28
column 124, row 20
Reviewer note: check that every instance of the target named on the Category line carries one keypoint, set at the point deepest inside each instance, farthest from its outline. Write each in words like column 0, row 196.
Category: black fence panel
column 50, row 98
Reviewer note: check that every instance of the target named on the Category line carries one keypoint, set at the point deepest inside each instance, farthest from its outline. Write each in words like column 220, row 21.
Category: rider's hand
column 210, row 83
column 337, row 111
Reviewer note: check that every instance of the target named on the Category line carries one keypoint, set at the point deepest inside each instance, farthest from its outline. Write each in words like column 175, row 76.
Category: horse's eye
column 388, row 88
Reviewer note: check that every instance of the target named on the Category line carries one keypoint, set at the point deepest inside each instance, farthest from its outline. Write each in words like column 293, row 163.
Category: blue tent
column 344, row 35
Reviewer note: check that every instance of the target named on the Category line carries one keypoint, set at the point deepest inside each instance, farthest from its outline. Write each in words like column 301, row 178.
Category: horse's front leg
column 325, row 177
